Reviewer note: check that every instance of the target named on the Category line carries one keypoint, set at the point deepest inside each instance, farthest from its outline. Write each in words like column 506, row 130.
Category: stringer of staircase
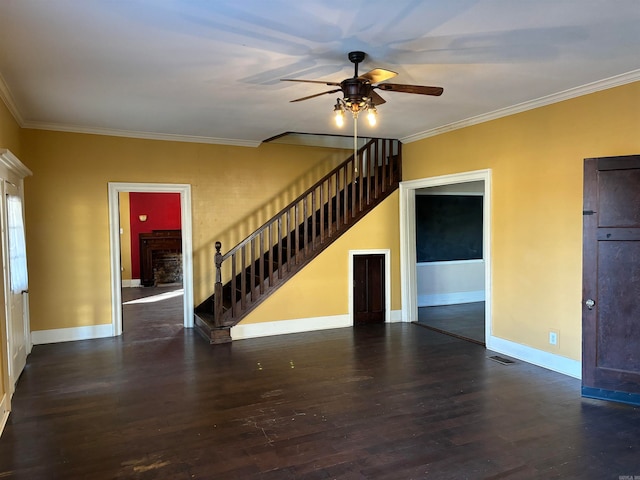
column 281, row 247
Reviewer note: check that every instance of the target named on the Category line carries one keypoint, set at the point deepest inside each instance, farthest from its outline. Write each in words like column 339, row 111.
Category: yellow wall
column 536, row 159
column 125, row 236
column 322, row 286
column 234, row 190
column 9, row 132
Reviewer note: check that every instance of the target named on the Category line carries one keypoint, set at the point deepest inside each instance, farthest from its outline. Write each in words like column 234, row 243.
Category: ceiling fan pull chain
column 355, row 146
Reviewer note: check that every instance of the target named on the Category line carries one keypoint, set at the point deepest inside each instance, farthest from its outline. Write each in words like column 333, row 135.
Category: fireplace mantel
column 157, row 240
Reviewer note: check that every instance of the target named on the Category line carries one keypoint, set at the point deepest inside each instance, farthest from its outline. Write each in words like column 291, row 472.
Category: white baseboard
column 547, row 360
column 4, row 411
column 430, row 300
column 131, row 283
column 282, row 327
column 299, row 325
column 57, row 335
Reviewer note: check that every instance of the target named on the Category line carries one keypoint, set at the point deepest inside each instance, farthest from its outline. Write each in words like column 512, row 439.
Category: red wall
column 163, row 213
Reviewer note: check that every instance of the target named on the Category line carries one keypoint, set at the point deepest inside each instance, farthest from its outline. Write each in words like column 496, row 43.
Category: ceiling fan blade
column 419, row 89
column 376, row 98
column 316, row 95
column 331, row 84
column 378, row 75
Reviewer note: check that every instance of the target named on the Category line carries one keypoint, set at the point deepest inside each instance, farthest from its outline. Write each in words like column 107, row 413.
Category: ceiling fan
column 359, row 91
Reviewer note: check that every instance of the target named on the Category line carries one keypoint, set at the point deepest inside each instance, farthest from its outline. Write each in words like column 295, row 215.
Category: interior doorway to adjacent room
column 445, row 254
column 151, row 264
column 163, row 290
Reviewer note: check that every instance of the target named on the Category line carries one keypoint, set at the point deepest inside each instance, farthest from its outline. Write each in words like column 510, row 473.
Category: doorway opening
column 446, row 288
column 162, row 291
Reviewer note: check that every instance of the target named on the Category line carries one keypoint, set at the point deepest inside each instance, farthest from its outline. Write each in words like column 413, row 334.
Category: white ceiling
column 204, row 70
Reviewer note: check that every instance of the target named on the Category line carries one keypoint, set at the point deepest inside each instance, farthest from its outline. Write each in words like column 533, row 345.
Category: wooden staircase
column 276, row 251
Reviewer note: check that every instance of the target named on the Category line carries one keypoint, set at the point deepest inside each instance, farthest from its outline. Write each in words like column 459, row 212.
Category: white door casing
column 16, row 328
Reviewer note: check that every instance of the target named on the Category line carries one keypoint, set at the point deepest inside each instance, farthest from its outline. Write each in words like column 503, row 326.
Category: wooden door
column 368, row 289
column 611, row 279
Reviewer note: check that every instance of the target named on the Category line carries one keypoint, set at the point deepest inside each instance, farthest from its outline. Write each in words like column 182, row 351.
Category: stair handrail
column 291, row 204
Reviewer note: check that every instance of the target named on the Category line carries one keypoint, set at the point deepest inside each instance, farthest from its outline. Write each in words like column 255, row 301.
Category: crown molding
column 57, row 127
column 7, row 98
column 615, row 81
column 593, row 87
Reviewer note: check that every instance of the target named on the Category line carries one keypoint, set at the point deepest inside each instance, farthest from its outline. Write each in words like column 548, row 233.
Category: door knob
column 590, row 303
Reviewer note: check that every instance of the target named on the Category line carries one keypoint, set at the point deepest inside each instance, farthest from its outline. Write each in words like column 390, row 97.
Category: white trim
column 283, row 327
column 408, row 257
column 131, row 283
column 9, row 101
column 454, row 298
column 547, row 360
column 187, row 249
column 450, row 262
column 13, row 166
column 112, row 132
column 56, row 335
column 5, row 408
column 396, row 316
column 387, row 279
column 587, row 89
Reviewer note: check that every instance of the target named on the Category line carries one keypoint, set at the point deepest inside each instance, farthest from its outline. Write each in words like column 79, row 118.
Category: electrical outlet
column 553, row 337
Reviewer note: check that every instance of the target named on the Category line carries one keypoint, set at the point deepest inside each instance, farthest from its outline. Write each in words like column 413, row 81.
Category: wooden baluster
column 329, row 206
column 322, row 216
column 296, row 215
column 384, row 165
column 375, row 174
column 243, row 278
column 305, row 224
column 290, row 245
column 345, row 199
column 252, row 269
column 314, row 219
column 271, row 251
column 337, row 194
column 234, row 286
column 280, row 247
column 217, row 292
column 261, row 276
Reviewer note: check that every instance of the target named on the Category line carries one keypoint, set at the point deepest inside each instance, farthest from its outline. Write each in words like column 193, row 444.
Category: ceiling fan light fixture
column 372, row 116
column 338, row 112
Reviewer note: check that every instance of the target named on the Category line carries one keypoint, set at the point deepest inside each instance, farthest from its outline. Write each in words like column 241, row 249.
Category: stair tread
column 208, row 319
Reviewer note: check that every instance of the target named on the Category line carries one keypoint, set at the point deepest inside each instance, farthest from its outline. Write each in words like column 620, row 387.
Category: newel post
column 217, row 293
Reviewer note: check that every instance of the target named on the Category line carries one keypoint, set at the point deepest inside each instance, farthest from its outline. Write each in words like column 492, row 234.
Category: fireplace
column 160, row 257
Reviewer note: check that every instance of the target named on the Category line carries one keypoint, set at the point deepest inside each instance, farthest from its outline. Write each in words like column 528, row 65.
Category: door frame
column 115, row 188
column 408, row 257
column 387, row 280
column 12, row 170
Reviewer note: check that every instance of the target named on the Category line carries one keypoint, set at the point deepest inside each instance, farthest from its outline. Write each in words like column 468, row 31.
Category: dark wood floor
column 381, row 402
column 464, row 320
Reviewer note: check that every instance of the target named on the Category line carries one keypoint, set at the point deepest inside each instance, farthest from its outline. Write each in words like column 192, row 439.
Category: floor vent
column 502, row 360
